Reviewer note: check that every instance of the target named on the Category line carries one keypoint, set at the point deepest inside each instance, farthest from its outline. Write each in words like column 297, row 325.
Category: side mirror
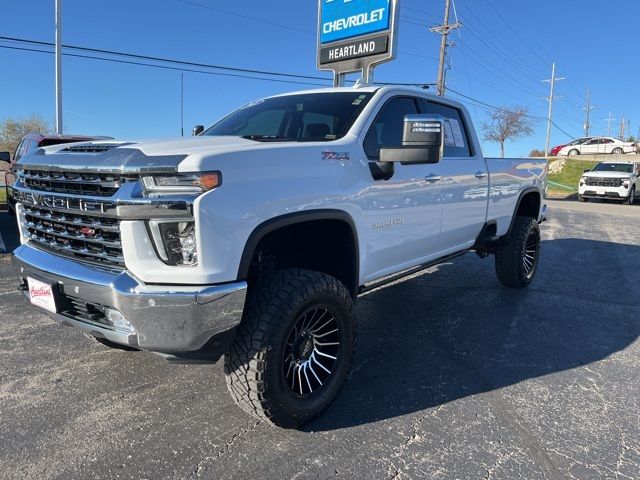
column 586, row 171
column 5, row 157
column 197, row 130
column 422, row 141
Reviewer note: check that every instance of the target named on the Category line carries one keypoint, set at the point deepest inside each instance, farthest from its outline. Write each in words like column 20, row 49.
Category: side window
column 388, row 127
column 456, row 138
column 317, row 126
column 607, row 140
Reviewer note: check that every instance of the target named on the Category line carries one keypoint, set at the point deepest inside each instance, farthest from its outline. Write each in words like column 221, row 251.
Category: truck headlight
column 181, row 183
column 625, row 183
column 175, row 242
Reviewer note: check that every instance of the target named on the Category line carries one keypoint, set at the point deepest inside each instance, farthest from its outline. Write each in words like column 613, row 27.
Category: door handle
column 480, row 175
column 432, row 178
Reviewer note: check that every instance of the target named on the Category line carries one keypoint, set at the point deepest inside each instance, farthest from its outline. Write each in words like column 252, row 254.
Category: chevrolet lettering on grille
column 60, row 203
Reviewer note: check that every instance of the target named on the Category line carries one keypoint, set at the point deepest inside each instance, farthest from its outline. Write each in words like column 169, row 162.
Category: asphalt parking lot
column 455, row 377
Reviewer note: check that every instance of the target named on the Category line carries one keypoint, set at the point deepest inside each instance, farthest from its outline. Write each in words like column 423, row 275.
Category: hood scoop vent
column 89, row 148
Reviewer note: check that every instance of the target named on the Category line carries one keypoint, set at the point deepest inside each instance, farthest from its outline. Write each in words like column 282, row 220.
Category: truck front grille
column 83, row 236
column 603, row 182
column 74, row 183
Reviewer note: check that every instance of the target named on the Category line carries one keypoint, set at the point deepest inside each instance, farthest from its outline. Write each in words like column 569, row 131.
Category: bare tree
column 13, row 129
column 507, row 123
column 536, row 153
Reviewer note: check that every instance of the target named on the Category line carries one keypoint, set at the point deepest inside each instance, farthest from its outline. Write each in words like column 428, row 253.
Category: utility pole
column 182, row 104
column 587, row 109
column 58, row 54
column 609, row 120
column 550, row 99
column 623, row 125
column 444, row 30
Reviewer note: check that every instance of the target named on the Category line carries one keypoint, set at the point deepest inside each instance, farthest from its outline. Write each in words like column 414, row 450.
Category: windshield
column 294, row 118
column 579, row 141
column 614, row 167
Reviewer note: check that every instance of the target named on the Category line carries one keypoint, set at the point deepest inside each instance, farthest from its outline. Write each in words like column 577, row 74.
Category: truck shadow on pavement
column 9, row 239
column 457, row 332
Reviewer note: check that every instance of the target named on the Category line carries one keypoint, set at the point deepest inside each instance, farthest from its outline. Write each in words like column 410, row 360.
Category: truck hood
column 607, row 174
column 130, row 156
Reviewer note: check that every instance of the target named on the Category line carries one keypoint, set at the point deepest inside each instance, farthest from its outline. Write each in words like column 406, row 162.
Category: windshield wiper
column 265, row 138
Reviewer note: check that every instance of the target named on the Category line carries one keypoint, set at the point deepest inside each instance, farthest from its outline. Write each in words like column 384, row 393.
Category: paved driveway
column 455, row 377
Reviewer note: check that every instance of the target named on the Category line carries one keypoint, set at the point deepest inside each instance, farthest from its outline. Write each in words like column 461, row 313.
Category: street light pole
column 58, row 54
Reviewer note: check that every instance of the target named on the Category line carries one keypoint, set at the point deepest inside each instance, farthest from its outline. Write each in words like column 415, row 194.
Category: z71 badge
column 335, row 156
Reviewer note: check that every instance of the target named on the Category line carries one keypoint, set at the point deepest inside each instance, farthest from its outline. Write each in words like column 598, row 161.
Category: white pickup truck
column 255, row 237
column 611, row 180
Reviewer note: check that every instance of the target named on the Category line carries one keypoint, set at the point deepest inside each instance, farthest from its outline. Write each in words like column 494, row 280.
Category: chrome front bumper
column 171, row 319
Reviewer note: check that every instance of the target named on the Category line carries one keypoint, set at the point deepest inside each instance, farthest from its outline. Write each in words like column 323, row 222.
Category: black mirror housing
column 197, row 130
column 5, row 157
column 422, row 141
column 586, row 171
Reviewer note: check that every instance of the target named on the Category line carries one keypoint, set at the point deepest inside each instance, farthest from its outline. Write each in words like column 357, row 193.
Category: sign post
column 356, row 35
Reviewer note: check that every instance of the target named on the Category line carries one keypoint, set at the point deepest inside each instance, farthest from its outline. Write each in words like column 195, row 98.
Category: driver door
column 403, row 210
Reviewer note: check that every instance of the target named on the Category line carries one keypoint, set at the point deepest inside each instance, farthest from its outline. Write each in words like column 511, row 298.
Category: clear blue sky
column 500, row 57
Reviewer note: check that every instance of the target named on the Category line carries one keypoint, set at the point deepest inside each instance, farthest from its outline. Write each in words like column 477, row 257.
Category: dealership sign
column 356, row 35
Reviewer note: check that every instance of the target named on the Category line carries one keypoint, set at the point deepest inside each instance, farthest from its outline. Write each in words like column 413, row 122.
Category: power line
column 165, row 60
column 413, row 21
column 164, row 67
column 183, row 69
column 246, row 17
column 493, row 107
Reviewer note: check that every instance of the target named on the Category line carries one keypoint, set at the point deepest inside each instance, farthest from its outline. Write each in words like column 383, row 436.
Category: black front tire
column 256, row 363
column 517, row 255
column 632, row 196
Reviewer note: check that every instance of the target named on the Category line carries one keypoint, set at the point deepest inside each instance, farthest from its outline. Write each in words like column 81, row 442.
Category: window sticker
column 449, row 140
column 359, row 100
column 458, row 137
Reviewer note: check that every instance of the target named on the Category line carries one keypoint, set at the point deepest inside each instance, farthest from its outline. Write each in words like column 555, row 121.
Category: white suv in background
column 613, row 180
column 598, row 146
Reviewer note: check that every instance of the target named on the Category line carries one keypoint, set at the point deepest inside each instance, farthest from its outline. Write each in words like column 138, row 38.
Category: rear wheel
column 617, row 151
column 293, row 349
column 518, row 254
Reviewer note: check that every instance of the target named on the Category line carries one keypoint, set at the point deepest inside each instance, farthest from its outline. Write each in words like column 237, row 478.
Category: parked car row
column 28, row 144
column 612, row 180
column 594, row 146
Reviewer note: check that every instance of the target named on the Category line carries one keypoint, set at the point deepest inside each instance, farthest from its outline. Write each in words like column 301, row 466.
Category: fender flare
column 524, row 193
column 296, row 218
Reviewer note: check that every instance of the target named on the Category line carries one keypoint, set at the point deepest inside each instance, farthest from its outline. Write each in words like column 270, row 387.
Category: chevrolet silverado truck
column 611, row 180
column 257, row 235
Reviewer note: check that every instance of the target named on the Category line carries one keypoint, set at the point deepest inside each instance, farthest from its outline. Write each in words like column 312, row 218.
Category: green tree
column 507, row 123
column 12, row 130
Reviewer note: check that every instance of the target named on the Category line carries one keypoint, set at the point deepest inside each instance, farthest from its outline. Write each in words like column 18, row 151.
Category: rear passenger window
column 456, row 141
